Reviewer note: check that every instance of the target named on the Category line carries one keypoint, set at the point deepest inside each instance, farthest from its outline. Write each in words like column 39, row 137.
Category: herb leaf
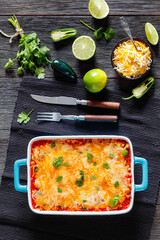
column 66, row 164
column 84, row 201
column 97, row 188
column 39, row 192
column 24, row 117
column 116, row 184
column 105, row 165
column 89, row 157
column 20, row 70
column 93, row 177
column 98, row 33
column 53, row 144
column 113, row 202
column 58, row 162
column 124, row 152
column 95, row 163
column 40, row 73
column 111, row 155
column 109, row 34
column 9, row 63
column 79, row 183
column 59, row 190
column 82, row 175
column 59, row 179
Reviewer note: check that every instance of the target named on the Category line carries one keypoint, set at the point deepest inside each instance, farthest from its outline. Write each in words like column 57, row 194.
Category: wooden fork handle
column 103, row 104
column 101, row 118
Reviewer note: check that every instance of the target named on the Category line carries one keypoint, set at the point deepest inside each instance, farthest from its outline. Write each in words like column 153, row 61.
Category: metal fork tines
column 56, row 117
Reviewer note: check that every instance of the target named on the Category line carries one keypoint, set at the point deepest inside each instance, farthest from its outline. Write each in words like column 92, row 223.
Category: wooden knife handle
column 101, row 118
column 103, row 104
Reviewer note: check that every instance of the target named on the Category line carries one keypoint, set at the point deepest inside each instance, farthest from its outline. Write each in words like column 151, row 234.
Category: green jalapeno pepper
column 63, row 68
column 62, row 34
column 141, row 89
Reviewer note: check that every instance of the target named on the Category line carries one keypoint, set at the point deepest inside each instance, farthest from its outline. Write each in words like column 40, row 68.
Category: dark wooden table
column 43, row 16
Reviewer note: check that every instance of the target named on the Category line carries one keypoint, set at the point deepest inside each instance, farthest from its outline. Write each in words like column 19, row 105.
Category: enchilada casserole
column 80, row 174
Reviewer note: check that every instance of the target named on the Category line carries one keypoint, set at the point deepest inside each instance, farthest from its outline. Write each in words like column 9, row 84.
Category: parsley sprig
column 24, row 117
column 99, row 33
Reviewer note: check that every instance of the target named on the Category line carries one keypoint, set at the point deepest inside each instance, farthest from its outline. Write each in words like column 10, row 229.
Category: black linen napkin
column 138, row 120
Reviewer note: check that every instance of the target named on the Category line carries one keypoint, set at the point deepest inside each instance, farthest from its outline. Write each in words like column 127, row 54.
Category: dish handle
column 17, row 165
column 143, row 186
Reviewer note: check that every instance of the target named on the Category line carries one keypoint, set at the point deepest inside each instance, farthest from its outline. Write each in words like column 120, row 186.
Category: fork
column 56, row 117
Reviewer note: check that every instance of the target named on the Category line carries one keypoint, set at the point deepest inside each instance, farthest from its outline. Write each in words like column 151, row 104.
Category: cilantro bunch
column 30, row 56
column 99, row 33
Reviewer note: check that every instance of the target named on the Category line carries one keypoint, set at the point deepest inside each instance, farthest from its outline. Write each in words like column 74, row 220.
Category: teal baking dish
column 134, row 187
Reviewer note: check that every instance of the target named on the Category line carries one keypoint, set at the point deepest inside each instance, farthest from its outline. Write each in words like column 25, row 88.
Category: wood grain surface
column 42, row 17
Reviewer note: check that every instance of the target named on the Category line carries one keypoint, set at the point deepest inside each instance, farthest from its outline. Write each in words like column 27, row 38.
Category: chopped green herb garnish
column 24, row 117
column 97, row 188
column 95, row 163
column 53, row 144
column 124, row 152
column 66, row 164
column 59, row 179
column 116, row 184
column 105, row 165
column 89, row 157
column 58, row 162
column 93, row 177
column 79, row 183
column 113, row 202
column 81, row 173
column 60, row 159
column 111, row 155
column 84, row 201
column 59, row 190
column 39, row 192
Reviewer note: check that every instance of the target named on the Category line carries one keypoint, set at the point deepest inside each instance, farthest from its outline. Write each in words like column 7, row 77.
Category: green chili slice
column 141, row 89
column 62, row 34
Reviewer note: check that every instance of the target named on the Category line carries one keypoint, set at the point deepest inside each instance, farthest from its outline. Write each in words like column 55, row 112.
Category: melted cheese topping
column 98, row 186
column 129, row 62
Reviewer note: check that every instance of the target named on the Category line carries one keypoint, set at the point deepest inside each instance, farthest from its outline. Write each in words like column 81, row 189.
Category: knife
column 62, row 100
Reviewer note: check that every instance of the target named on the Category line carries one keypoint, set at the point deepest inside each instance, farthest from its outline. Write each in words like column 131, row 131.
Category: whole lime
column 95, row 80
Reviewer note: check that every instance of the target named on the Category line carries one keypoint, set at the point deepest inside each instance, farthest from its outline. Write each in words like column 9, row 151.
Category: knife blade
column 62, row 100
column 55, row 100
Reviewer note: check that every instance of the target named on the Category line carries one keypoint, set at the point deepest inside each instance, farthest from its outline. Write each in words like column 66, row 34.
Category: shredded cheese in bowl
column 129, row 62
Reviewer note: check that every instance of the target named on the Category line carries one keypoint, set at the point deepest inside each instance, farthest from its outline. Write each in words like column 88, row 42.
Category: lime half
column 151, row 33
column 83, row 47
column 98, row 8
